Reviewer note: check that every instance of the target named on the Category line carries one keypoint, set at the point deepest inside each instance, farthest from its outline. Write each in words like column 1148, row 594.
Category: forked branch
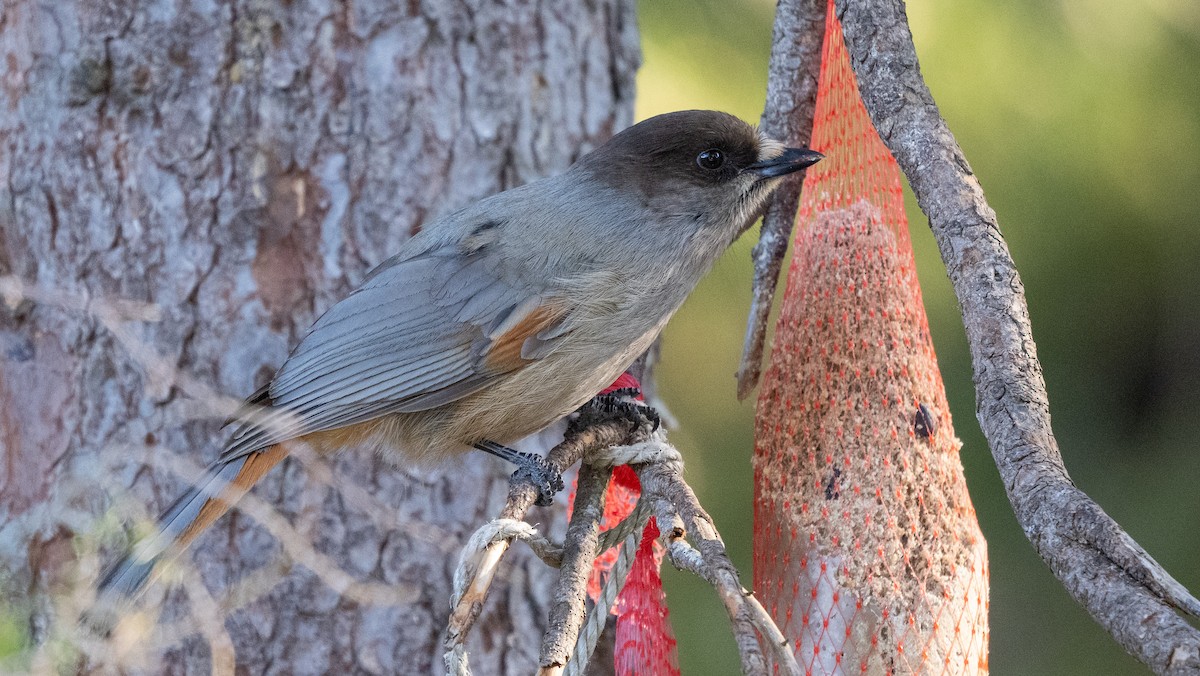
column 787, row 117
column 1123, row 588
column 604, row 443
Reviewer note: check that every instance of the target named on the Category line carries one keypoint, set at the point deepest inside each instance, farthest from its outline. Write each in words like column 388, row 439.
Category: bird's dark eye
column 711, row 159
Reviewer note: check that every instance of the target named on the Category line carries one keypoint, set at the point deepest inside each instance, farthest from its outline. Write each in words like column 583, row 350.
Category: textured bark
column 240, row 165
column 788, row 117
column 580, row 547
column 1122, row 587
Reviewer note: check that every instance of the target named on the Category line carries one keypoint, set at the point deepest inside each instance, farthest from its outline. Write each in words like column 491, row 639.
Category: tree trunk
column 237, row 167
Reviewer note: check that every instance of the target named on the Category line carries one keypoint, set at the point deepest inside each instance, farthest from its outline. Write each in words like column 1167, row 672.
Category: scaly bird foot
column 625, row 402
column 529, row 466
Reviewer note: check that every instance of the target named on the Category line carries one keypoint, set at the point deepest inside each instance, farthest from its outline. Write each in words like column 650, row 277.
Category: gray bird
column 501, row 318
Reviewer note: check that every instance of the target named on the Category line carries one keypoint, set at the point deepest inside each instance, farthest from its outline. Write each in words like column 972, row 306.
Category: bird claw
column 622, row 402
column 530, row 467
column 539, row 472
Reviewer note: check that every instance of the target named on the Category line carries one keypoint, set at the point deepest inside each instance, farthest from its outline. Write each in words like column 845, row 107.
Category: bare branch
column 580, row 547
column 583, row 435
column 297, row 546
column 600, row 620
column 788, row 117
column 604, row 442
column 679, row 513
column 1123, row 588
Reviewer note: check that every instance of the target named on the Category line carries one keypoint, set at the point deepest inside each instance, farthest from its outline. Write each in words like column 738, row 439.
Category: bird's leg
column 619, row 402
column 626, row 401
column 533, row 466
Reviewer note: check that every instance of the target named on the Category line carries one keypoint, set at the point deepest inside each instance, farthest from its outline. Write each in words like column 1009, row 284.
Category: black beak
column 792, row 159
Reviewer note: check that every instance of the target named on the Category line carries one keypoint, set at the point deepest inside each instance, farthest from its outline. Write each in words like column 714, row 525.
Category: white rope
column 494, row 531
column 654, row 450
column 632, row 524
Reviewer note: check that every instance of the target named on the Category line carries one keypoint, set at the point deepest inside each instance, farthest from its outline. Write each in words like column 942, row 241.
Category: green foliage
column 1082, row 121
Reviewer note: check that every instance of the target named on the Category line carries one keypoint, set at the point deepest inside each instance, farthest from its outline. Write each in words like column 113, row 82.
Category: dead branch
column 787, row 117
column 600, row 620
column 604, row 442
column 680, row 515
column 1123, row 588
column 580, row 547
column 583, row 435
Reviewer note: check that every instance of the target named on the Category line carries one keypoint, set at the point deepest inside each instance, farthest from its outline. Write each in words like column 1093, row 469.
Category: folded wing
column 417, row 334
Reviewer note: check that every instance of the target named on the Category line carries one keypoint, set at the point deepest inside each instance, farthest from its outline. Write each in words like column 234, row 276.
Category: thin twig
column 1123, row 588
column 679, row 513
column 787, row 117
column 297, row 546
column 579, row 557
column 584, row 434
column 211, row 623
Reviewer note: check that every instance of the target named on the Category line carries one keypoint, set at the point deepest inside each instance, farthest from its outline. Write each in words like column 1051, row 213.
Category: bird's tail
column 194, row 511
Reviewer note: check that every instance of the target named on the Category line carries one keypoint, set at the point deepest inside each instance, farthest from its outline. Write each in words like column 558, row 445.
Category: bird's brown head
column 704, row 165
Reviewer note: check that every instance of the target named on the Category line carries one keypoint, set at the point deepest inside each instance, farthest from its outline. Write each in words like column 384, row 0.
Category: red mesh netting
column 866, row 547
column 644, row 642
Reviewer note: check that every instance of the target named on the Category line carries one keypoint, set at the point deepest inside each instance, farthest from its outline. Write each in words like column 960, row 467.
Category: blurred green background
column 1082, row 120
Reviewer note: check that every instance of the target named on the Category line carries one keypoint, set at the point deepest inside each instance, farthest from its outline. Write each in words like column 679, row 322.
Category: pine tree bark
column 237, row 166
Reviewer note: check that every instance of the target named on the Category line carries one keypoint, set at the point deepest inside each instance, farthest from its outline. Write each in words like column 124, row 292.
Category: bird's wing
column 417, row 334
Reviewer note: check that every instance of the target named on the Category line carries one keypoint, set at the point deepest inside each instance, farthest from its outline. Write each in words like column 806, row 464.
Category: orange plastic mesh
column 866, row 548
